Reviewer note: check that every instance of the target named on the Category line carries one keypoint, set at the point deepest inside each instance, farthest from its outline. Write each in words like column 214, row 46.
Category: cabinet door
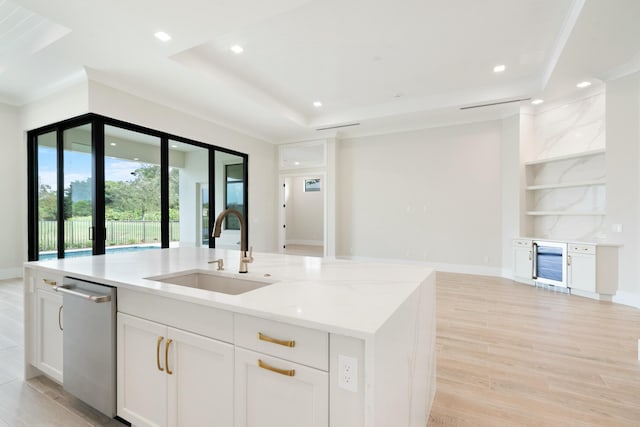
column 582, row 272
column 267, row 398
column 522, row 262
column 142, row 381
column 49, row 333
column 200, row 374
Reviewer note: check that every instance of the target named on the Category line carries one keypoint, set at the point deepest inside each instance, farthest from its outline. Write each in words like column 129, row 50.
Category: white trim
column 627, row 298
column 11, row 273
column 591, row 295
column 305, row 242
column 561, row 40
column 438, row 266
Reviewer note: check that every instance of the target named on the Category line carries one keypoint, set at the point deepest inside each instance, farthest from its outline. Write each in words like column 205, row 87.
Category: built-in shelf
column 567, row 157
column 571, row 213
column 567, row 185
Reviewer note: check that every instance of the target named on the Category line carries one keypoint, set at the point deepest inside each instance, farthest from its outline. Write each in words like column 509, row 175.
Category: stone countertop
column 338, row 296
column 569, row 241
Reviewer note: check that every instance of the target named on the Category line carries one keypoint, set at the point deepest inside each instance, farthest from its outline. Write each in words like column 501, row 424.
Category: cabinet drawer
column 294, row 343
column 582, row 249
column 522, row 243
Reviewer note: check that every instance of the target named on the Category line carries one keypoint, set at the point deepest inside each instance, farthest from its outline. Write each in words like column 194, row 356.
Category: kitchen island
column 316, row 342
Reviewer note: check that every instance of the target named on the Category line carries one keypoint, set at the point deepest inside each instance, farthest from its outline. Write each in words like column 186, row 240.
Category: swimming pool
column 88, row 252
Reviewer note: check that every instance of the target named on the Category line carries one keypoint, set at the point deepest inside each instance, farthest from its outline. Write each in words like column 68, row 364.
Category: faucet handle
column 249, row 258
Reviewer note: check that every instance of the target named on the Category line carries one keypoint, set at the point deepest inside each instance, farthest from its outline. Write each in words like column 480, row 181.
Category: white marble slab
column 339, row 296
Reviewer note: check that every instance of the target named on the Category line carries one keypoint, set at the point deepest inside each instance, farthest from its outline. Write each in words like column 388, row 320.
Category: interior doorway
column 303, row 214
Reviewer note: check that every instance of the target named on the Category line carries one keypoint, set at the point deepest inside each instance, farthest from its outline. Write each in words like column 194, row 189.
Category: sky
column 78, row 167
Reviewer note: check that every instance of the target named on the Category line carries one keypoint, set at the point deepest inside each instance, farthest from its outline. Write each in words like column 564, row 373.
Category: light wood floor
column 508, row 355
column 515, row 355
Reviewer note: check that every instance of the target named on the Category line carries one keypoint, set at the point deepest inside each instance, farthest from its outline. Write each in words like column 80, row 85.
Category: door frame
column 282, row 233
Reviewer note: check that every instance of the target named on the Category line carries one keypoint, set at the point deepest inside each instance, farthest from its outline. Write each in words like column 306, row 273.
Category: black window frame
column 98, row 123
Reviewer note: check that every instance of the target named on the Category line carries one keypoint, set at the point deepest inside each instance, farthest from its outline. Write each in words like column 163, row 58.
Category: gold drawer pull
column 49, row 282
column 160, row 339
column 263, row 337
column 287, row 372
column 166, row 356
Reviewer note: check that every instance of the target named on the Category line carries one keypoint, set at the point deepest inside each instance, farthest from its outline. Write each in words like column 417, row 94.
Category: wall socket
column 348, row 373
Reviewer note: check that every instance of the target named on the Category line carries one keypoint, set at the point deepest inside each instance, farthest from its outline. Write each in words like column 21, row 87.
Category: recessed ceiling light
column 499, row 68
column 584, row 84
column 113, row 144
column 136, row 159
column 174, row 146
column 237, row 49
column 296, row 163
column 317, row 104
column 537, row 101
column 162, row 36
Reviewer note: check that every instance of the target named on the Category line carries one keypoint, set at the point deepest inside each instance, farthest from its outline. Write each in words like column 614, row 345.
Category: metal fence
column 77, row 233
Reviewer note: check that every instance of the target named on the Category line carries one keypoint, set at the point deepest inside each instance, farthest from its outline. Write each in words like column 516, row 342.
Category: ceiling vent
column 339, row 126
column 495, row 103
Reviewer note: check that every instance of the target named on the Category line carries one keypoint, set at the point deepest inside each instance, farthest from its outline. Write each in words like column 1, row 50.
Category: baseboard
column 305, row 242
column 10, row 273
column 438, row 266
column 627, row 298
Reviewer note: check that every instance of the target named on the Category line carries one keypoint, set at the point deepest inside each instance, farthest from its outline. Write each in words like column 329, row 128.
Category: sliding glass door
column 99, row 185
column 131, row 190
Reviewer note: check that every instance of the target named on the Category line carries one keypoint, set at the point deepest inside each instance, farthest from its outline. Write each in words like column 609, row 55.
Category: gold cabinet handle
column 49, row 282
column 266, row 338
column 287, row 372
column 166, row 356
column 60, row 318
column 160, row 368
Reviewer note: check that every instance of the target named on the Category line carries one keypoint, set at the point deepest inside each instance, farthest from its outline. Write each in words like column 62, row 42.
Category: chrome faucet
column 244, row 259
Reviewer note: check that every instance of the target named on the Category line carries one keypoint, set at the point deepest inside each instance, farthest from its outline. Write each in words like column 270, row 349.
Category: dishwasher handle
column 95, row 298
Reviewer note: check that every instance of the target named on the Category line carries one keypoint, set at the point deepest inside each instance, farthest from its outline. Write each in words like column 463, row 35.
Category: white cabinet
column 280, row 375
column 593, row 269
column 275, row 392
column 582, row 267
column 48, row 333
column 169, row 377
column 523, row 259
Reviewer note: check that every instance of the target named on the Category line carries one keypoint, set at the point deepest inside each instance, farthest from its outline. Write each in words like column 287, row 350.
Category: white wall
column 262, row 156
column 429, row 195
column 13, row 188
column 305, row 212
column 71, row 102
column 510, row 188
column 623, row 180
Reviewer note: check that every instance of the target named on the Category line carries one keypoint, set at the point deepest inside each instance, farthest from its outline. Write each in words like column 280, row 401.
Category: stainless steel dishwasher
column 89, row 337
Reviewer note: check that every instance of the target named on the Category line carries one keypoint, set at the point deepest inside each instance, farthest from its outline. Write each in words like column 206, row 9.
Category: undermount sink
column 204, row 279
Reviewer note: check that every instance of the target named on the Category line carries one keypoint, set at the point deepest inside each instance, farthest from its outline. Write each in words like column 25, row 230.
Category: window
column 234, row 193
column 311, row 185
column 99, row 185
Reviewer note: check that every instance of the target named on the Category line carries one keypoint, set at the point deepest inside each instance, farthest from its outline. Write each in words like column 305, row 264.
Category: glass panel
column 229, row 190
column 132, row 190
column 47, row 196
column 234, row 194
column 78, row 199
column 188, row 194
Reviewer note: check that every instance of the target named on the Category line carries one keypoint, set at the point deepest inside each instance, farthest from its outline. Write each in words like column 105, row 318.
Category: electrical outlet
column 348, row 373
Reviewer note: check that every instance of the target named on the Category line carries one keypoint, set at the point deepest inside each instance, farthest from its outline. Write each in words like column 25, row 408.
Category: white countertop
column 339, row 296
column 575, row 242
